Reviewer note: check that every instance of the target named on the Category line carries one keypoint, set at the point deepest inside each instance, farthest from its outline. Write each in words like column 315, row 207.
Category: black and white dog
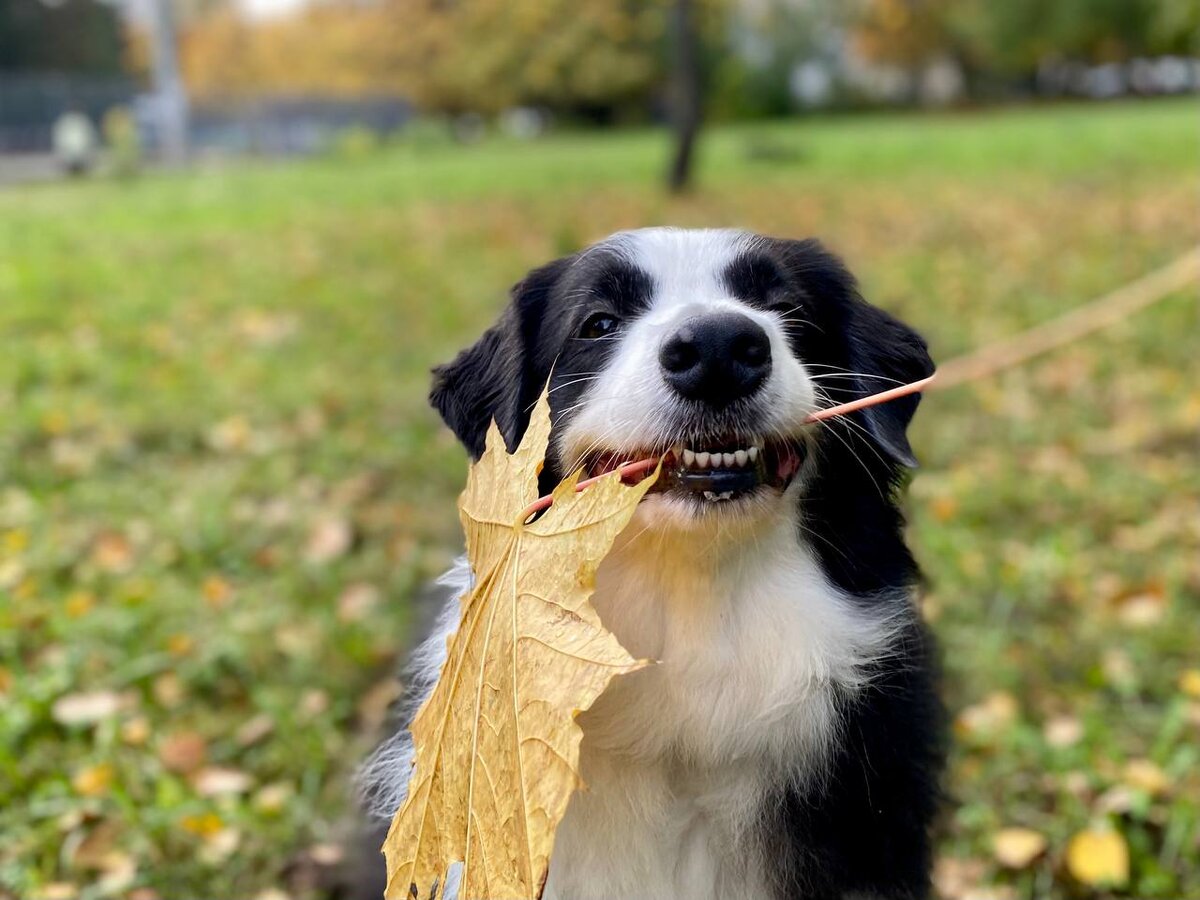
column 787, row 744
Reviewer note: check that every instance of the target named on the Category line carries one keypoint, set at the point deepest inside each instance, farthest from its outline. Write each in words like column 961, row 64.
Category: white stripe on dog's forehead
column 683, row 263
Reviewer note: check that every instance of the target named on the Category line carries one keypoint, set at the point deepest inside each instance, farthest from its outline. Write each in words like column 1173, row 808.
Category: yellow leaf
column 79, row 604
column 1096, row 857
column 1017, row 847
column 136, row 731
column 93, row 781
column 497, row 747
column 1189, row 683
column 1146, row 776
column 217, row 591
column 203, row 825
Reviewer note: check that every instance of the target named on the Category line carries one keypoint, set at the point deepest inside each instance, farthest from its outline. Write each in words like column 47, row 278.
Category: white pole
column 170, row 98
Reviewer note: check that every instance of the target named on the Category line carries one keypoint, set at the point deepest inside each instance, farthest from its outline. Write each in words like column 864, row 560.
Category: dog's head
column 711, row 347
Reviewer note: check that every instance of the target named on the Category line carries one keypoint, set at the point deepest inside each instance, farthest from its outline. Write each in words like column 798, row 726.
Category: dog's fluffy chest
column 655, row 832
column 752, row 654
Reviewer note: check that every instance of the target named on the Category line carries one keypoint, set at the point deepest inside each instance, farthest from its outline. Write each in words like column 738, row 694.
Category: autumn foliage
column 326, row 50
column 483, row 55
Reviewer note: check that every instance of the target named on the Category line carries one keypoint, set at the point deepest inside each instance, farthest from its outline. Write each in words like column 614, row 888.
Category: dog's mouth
column 712, row 470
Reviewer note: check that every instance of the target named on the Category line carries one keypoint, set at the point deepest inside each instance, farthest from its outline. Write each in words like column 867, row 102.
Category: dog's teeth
column 740, row 457
column 702, row 460
column 752, row 454
column 677, row 450
column 709, row 495
column 727, row 459
column 725, row 495
column 689, row 458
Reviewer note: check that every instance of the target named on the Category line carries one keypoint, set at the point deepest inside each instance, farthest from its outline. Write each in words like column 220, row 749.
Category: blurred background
column 235, row 234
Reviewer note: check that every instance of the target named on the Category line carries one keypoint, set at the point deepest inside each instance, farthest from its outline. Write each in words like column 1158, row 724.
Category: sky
column 266, row 8
column 261, row 9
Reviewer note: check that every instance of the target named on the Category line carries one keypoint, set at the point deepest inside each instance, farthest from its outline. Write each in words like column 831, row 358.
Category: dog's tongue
column 789, row 462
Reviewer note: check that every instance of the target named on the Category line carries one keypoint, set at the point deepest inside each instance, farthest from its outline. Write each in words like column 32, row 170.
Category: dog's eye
column 598, row 325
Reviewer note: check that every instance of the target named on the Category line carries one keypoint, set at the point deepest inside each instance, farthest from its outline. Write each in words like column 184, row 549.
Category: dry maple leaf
column 1099, row 857
column 497, row 746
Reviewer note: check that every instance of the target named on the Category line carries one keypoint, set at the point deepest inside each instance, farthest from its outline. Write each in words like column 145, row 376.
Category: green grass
column 220, row 487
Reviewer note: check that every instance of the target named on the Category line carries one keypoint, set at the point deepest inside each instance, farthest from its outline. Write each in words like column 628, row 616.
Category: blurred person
column 74, row 141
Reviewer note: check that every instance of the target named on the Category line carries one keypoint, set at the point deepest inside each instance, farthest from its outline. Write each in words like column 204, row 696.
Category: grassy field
column 220, row 486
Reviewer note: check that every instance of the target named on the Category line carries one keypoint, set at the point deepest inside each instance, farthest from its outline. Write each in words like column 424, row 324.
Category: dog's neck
column 752, row 647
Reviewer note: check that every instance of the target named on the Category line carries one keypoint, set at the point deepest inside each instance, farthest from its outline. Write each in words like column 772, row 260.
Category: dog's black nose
column 716, row 359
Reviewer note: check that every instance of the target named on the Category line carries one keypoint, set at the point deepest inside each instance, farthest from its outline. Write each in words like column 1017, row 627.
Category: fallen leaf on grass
column 90, row 850
column 183, row 752
column 497, row 747
column 113, row 552
column 219, row 846
column 168, row 690
column 215, row 780
column 79, row 603
column 136, row 731
column 1141, row 609
column 356, row 602
column 118, row 872
column 56, row 890
column 993, row 715
column 1063, row 731
column 1117, row 800
column 272, row 798
column 230, row 435
column 1016, row 848
column 93, row 781
column 326, row 854
column 1098, row 857
column 1145, row 775
column 85, row 709
column 202, row 825
column 1189, row 683
column 254, row 730
column 329, row 539
column 217, row 591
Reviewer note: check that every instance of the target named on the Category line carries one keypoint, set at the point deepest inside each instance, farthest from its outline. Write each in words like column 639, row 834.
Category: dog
column 788, row 742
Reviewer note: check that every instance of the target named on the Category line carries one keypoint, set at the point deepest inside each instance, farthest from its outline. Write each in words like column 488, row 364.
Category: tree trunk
column 684, row 93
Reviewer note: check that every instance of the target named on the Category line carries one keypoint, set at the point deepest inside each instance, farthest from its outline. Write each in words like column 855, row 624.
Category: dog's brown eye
column 598, row 325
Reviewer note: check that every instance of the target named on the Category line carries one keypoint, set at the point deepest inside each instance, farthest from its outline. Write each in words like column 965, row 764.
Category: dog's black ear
column 502, row 374
column 885, row 348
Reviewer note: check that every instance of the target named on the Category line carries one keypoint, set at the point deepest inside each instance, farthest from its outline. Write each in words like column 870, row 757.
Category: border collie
column 788, row 742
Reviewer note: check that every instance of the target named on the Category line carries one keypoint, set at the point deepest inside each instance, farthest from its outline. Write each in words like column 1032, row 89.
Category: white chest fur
column 752, row 646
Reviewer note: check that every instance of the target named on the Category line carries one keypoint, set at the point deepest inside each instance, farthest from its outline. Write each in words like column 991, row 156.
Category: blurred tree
column 1011, row 39
column 67, row 36
column 686, row 93
column 327, row 49
column 905, row 33
column 485, row 55
column 597, row 61
column 1017, row 35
